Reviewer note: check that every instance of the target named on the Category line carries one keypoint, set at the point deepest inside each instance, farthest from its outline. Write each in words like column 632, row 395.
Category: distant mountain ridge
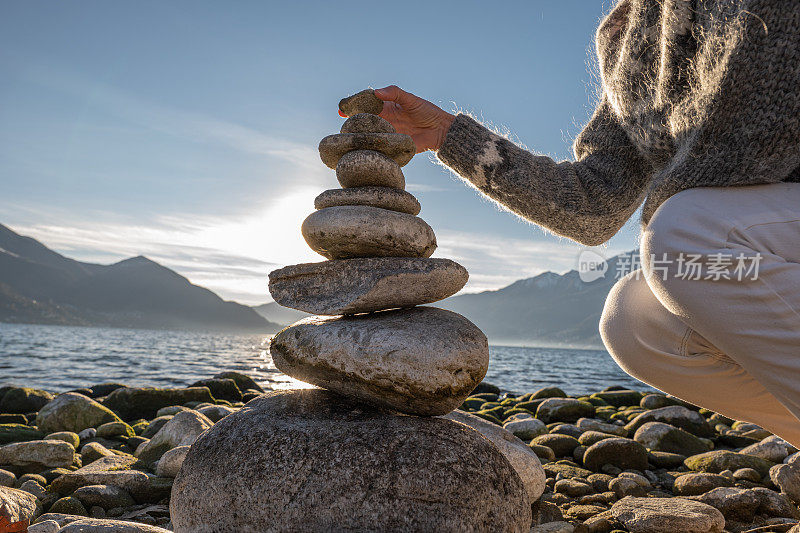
column 38, row 285
column 546, row 310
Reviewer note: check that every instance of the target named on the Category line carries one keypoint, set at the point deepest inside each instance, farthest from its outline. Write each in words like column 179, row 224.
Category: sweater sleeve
column 587, row 200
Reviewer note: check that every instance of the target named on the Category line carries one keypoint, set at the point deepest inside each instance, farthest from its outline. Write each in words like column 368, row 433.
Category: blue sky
column 187, row 131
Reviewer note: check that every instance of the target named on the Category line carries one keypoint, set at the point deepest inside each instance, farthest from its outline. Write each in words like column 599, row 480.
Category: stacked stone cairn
column 372, row 343
column 366, row 450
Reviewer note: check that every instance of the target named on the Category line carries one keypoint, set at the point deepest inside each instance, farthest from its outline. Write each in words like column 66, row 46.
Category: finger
column 393, row 93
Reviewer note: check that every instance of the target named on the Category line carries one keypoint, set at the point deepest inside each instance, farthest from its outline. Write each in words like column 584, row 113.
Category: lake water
column 60, row 358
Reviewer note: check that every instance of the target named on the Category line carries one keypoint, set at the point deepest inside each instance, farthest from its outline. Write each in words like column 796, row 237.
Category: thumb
column 393, row 93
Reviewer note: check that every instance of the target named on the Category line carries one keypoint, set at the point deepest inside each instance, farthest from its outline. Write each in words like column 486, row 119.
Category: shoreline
column 596, row 450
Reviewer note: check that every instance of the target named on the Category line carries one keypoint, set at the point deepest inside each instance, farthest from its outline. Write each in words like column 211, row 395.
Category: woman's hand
column 425, row 122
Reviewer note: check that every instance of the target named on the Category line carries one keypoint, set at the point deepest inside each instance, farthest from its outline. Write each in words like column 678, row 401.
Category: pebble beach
column 615, row 460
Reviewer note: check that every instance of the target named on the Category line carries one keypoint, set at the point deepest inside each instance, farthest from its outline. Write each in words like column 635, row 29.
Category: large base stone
column 421, row 360
column 363, row 285
column 309, row 460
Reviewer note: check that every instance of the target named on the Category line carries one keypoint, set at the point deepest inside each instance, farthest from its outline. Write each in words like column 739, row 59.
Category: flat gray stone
column 363, row 285
column 382, row 197
column 38, row 453
column 361, row 231
column 362, row 102
column 667, row 515
column 310, row 460
column 422, row 360
column 362, row 168
column 105, row 496
column 398, row 146
column 367, row 123
column 519, row 454
column 94, row 525
column 115, row 470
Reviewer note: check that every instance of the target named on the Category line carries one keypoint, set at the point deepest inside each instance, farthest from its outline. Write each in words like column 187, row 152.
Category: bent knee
column 636, row 328
column 619, row 322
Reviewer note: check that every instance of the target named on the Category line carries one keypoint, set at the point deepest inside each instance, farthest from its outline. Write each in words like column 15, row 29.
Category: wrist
column 445, row 121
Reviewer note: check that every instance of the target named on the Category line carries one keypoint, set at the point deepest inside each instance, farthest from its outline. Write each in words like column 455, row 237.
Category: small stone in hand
column 361, row 102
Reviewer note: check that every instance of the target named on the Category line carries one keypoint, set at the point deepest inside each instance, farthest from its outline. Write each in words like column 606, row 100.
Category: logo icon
column 591, row 266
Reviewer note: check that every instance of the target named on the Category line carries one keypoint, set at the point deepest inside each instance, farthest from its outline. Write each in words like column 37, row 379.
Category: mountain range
column 38, row 285
column 546, row 310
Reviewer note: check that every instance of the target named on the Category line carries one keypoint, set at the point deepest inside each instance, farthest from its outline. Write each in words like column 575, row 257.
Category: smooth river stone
column 362, row 102
column 361, row 168
column 311, row 460
column 366, row 123
column 398, row 146
column 383, row 197
column 363, row 285
column 422, row 361
column 361, row 231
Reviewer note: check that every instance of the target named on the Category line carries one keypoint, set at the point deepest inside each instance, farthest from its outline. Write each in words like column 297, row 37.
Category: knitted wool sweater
column 695, row 93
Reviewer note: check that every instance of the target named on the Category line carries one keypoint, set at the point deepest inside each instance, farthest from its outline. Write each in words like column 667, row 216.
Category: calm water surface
column 60, row 358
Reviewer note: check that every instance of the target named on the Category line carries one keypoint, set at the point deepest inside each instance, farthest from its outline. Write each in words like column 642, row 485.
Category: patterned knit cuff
column 463, row 144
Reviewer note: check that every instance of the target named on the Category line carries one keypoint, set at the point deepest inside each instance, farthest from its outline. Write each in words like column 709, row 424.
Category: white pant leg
column 755, row 322
column 657, row 347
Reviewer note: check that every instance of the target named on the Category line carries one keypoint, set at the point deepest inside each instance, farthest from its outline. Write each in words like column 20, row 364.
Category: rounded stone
column 667, row 515
column 362, row 231
column 397, row 146
column 362, row 102
column 314, row 461
column 661, row 437
column 620, row 452
column 382, row 197
column 367, row 123
column 524, row 460
column 73, row 412
column 693, row 484
column 362, row 168
column 422, row 360
column 363, row 285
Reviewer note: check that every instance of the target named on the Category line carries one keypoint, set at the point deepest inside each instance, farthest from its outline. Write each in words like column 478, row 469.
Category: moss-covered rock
column 563, row 410
column 73, row 412
column 131, row 403
column 567, row 469
column 661, row 437
column 18, row 433
column 718, row 460
column 548, row 392
column 619, row 398
column 620, row 452
column 66, row 436
column 243, row 381
column 472, row 404
column 221, row 389
column 23, row 400
column 110, row 430
column 68, row 505
column 562, row 445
